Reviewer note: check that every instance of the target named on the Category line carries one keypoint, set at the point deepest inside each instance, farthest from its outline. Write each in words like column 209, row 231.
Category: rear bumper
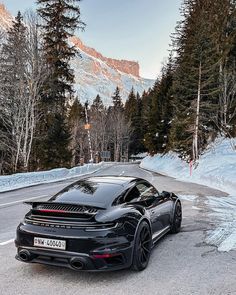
column 82, row 253
column 74, row 261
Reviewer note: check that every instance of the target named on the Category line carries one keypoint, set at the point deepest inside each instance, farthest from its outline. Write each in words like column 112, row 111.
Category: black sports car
column 97, row 224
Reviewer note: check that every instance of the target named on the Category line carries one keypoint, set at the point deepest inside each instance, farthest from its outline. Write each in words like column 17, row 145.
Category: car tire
column 142, row 247
column 177, row 219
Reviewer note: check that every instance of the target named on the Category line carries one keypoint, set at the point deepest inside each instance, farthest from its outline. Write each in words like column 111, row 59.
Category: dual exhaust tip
column 75, row 263
column 25, row 255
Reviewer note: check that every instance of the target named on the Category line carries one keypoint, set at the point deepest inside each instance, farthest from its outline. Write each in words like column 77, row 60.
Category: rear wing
column 36, row 204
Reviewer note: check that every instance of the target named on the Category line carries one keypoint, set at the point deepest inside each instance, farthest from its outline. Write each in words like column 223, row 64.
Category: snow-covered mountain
column 95, row 73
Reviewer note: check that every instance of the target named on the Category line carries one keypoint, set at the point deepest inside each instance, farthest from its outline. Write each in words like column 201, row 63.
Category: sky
column 137, row 30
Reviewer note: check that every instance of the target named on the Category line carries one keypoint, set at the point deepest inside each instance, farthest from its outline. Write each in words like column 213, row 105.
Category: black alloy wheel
column 177, row 219
column 142, row 247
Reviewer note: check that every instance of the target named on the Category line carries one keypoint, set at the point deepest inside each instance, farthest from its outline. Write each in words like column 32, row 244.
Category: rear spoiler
column 35, row 204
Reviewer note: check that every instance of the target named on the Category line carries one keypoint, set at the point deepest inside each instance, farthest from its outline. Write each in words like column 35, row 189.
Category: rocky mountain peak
column 95, row 73
column 125, row 66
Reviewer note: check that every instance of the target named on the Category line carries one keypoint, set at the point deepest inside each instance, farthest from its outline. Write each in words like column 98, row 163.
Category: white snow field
column 21, row 180
column 216, row 167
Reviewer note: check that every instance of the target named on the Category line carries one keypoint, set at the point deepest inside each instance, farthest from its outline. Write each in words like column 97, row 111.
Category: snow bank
column 216, row 167
column 224, row 235
column 221, row 213
column 21, row 180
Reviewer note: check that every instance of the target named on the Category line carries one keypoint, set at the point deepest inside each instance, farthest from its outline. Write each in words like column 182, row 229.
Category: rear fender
column 175, row 200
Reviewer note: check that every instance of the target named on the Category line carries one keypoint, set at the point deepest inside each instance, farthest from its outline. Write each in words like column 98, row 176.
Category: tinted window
column 88, row 192
column 133, row 195
column 146, row 191
column 141, row 192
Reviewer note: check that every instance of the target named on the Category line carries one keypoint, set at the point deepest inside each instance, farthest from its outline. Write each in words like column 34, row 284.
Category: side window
column 147, row 191
column 121, row 199
column 133, row 195
column 141, row 192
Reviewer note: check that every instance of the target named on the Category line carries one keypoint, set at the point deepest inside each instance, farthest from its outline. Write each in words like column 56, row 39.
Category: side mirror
column 165, row 194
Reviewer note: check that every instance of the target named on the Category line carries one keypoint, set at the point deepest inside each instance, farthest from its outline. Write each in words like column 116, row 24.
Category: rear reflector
column 105, row 255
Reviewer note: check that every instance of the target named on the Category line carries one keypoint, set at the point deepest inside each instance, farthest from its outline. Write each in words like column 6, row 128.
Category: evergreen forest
column 44, row 125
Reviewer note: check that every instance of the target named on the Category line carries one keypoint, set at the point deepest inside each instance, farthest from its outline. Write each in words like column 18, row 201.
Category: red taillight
column 51, row 211
column 105, row 255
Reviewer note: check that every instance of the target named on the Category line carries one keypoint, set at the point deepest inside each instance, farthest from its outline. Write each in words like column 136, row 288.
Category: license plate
column 49, row 243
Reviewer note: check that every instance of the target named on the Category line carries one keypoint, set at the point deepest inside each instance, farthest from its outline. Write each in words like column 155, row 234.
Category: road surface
column 180, row 264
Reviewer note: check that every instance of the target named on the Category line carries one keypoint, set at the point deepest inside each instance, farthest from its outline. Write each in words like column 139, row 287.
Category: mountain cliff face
column 95, row 73
column 125, row 66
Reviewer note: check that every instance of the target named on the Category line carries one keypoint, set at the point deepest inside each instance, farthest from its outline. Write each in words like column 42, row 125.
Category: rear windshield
column 90, row 193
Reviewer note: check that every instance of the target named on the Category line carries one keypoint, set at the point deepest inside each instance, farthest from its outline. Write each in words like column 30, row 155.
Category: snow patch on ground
column 216, row 167
column 189, row 198
column 223, row 214
column 224, row 235
column 139, row 156
column 21, row 180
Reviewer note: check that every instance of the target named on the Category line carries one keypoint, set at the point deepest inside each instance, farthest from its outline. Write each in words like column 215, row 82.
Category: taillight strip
column 53, row 211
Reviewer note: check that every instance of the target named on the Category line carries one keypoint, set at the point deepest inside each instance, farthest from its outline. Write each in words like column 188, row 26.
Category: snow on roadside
column 20, row 180
column 222, row 213
column 224, row 235
column 216, row 168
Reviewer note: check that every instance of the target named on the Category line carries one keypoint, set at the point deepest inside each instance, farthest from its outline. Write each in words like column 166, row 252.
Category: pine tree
column 196, row 79
column 58, row 139
column 146, row 102
column 60, row 20
column 131, row 106
column 160, row 112
column 133, row 115
column 98, row 120
column 225, row 39
column 116, row 99
column 118, row 128
column 76, row 123
column 13, row 92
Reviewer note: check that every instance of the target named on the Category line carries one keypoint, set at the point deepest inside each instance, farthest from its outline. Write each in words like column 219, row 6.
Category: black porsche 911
column 97, row 224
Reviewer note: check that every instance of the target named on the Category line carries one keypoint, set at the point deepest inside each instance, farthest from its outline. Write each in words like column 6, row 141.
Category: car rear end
column 69, row 235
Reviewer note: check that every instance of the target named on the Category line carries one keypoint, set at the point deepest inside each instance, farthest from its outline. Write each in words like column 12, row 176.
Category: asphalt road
column 180, row 264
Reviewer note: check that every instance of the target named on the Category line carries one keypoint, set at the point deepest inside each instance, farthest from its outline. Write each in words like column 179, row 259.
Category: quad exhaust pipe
column 76, row 263
column 26, row 256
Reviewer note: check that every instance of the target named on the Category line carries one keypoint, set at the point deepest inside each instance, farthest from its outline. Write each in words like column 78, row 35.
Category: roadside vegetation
column 42, row 120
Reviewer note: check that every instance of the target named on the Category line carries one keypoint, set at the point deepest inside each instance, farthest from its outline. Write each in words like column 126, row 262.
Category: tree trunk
column 196, row 130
